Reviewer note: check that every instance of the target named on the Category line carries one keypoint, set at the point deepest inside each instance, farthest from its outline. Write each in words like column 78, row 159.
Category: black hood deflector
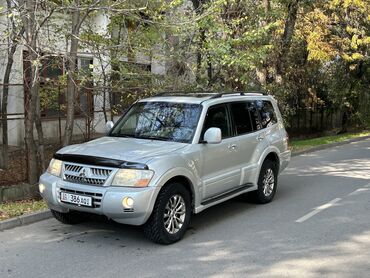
column 100, row 161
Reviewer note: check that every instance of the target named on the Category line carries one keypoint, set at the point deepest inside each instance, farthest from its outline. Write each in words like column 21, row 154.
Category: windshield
column 159, row 121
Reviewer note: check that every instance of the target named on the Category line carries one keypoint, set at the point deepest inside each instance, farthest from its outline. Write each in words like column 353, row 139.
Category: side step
column 227, row 194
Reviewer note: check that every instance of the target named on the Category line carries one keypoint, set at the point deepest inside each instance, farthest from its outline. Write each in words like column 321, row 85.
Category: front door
column 220, row 167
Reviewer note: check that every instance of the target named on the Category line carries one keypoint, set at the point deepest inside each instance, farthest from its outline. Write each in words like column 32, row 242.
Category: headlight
column 132, row 178
column 55, row 167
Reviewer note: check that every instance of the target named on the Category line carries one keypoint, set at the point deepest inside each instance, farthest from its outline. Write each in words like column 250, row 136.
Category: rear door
column 250, row 138
column 269, row 122
column 220, row 165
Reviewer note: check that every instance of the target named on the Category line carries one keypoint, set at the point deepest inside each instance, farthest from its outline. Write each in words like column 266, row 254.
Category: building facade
column 93, row 100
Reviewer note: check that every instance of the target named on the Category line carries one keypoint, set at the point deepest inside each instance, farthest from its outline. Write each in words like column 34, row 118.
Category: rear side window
column 254, row 114
column 217, row 116
column 266, row 112
column 242, row 119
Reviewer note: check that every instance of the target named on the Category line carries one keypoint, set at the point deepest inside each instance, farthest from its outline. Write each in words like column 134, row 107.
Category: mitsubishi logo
column 84, row 173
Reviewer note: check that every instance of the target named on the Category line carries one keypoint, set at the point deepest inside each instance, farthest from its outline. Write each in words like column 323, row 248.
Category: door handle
column 260, row 137
column 232, row 147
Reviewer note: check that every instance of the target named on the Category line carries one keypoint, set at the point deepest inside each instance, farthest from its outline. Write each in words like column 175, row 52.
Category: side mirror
column 109, row 125
column 213, row 135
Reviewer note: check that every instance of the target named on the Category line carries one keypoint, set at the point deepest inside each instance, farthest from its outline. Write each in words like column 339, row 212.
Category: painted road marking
column 317, row 210
column 359, row 190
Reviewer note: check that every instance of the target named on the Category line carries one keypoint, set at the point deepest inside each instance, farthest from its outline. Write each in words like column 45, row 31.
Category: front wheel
column 267, row 182
column 171, row 215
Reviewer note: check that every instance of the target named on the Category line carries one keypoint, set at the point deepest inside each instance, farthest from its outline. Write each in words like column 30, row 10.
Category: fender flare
column 270, row 149
column 182, row 172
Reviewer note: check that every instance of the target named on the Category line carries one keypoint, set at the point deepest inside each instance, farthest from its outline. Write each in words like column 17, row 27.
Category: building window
column 52, row 91
column 53, row 86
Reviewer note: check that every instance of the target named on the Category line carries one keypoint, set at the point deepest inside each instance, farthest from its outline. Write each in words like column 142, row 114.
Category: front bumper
column 106, row 200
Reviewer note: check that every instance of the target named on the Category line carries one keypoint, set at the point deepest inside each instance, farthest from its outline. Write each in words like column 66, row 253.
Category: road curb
column 327, row 146
column 24, row 219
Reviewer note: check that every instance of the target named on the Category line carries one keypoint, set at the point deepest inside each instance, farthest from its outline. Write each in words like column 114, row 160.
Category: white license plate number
column 76, row 199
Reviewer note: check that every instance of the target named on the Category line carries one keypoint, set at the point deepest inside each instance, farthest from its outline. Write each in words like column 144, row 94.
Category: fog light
column 42, row 188
column 127, row 202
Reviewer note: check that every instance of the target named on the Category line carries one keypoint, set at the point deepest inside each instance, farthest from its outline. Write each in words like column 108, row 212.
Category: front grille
column 96, row 197
column 90, row 175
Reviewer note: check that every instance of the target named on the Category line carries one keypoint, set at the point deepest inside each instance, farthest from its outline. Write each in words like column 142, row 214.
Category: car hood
column 127, row 149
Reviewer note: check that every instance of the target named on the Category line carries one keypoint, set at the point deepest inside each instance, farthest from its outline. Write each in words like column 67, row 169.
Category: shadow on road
column 236, row 238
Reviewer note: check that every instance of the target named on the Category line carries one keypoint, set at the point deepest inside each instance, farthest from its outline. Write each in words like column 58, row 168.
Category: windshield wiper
column 140, row 137
column 153, row 138
column 123, row 135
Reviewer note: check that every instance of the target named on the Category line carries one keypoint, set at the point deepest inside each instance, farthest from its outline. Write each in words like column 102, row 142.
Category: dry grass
column 14, row 209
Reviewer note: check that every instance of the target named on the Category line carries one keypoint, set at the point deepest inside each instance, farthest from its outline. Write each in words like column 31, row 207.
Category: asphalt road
column 318, row 225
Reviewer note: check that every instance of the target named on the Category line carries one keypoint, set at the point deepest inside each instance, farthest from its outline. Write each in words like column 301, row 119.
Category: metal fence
column 311, row 120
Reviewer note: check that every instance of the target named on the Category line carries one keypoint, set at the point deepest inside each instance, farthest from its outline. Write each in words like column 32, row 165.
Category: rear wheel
column 68, row 217
column 267, row 182
column 171, row 215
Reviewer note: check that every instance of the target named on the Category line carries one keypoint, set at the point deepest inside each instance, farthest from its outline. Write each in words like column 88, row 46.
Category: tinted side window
column 256, row 124
column 217, row 117
column 241, row 117
column 267, row 113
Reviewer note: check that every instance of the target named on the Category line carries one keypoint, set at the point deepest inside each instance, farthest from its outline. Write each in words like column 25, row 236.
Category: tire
column 161, row 225
column 267, row 182
column 70, row 218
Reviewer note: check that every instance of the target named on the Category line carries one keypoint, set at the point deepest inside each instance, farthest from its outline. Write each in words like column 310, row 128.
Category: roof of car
column 200, row 97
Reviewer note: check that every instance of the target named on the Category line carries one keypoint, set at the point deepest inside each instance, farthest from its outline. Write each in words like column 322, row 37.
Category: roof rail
column 210, row 94
column 178, row 93
column 258, row 93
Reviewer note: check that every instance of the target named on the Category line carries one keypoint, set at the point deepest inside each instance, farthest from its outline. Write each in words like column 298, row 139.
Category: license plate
column 76, row 199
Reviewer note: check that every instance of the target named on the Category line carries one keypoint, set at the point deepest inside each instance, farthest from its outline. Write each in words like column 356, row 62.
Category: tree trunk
column 111, row 105
column 72, row 90
column 4, row 110
column 209, row 71
column 199, row 55
column 105, row 82
column 40, row 135
column 198, row 7
column 29, row 22
column 266, row 6
column 4, row 157
column 262, row 75
column 71, row 82
column 288, row 34
column 262, row 72
column 30, row 107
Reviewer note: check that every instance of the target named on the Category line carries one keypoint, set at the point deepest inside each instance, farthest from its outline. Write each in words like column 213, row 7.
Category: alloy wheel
column 268, row 182
column 174, row 214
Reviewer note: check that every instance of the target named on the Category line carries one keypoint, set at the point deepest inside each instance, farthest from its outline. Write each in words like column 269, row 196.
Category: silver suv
column 170, row 156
